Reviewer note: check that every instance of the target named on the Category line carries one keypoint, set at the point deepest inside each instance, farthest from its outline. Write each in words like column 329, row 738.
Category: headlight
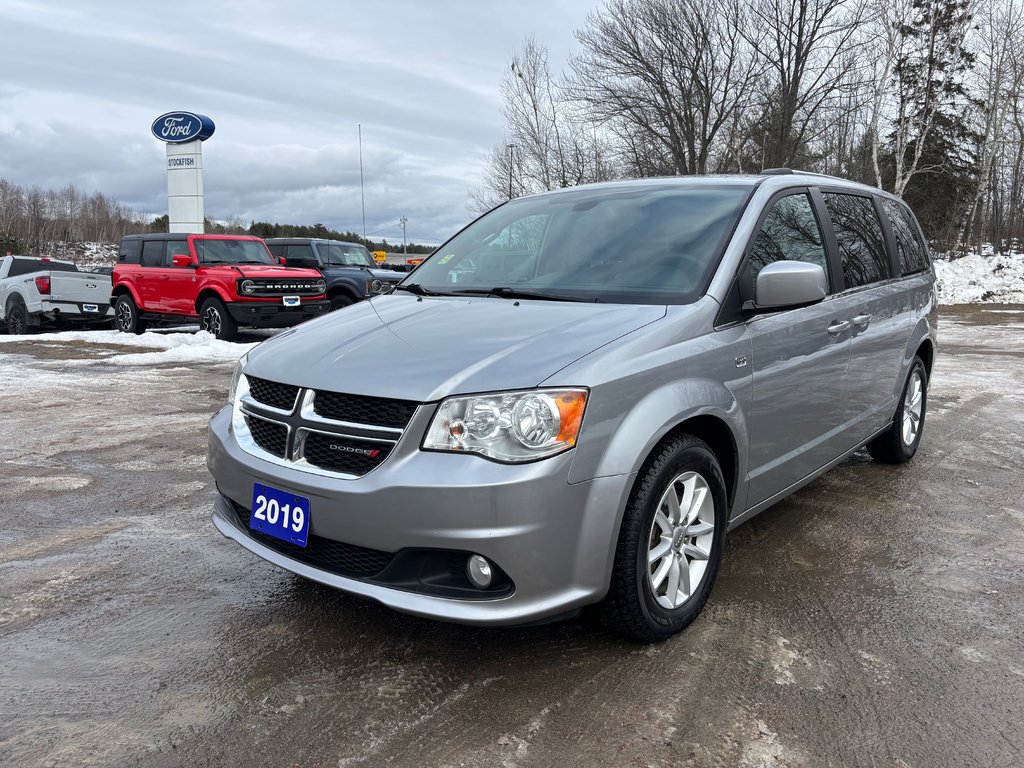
column 376, row 286
column 512, row 427
column 236, row 376
column 248, row 286
column 320, row 286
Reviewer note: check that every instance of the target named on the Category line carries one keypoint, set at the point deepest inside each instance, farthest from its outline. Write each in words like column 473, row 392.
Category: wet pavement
column 876, row 618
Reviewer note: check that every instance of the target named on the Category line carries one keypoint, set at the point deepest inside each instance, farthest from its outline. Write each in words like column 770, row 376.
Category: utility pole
column 511, row 149
column 403, row 221
column 362, row 195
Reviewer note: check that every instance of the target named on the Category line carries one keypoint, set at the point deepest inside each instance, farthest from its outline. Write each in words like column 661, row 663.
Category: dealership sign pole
column 184, row 134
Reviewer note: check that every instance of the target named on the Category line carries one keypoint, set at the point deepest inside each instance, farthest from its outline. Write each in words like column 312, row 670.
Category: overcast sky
column 286, row 83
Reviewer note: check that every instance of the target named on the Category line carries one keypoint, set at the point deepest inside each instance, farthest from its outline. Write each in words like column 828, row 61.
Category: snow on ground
column 976, row 278
column 174, row 347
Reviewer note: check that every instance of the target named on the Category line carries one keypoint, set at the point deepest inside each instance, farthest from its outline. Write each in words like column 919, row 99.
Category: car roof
column 306, row 240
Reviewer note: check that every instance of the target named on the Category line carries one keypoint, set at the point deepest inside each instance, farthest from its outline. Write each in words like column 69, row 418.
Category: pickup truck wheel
column 126, row 315
column 899, row 443
column 17, row 319
column 214, row 318
column 341, row 300
column 670, row 544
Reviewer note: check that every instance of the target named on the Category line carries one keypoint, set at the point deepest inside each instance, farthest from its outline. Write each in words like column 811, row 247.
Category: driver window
column 790, row 232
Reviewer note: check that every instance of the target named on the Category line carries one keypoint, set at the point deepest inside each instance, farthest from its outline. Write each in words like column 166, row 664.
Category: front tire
column 670, row 544
column 126, row 315
column 341, row 300
column 214, row 318
column 899, row 443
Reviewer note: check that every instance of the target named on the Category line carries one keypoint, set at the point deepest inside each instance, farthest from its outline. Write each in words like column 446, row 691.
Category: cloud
column 287, row 85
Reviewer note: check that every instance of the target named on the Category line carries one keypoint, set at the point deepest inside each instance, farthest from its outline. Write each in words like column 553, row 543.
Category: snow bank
column 981, row 278
column 174, row 347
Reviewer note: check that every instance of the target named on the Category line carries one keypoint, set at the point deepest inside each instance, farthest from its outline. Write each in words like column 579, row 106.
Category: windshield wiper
column 418, row 289
column 504, row 292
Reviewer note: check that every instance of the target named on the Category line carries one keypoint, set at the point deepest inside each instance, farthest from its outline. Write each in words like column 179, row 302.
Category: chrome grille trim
column 301, row 421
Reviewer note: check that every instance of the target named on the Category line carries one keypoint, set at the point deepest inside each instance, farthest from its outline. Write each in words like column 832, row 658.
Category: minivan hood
column 402, row 347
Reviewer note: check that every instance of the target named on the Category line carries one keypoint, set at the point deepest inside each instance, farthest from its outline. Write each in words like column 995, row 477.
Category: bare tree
column 669, row 78
column 805, row 47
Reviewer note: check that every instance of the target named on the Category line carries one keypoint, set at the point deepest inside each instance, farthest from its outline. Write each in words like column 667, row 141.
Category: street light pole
column 511, row 148
column 403, row 221
column 362, row 195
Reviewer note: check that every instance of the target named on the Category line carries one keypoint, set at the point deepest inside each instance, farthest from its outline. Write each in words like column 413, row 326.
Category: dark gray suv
column 575, row 398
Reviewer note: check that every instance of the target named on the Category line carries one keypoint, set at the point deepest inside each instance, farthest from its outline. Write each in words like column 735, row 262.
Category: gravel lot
column 876, row 618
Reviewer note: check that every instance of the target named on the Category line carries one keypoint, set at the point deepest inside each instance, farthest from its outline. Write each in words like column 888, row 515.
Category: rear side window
column 129, row 253
column 790, row 232
column 912, row 250
column 301, row 252
column 153, row 253
column 861, row 241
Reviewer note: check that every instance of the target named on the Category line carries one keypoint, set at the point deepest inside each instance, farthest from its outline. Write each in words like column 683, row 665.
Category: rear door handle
column 861, row 321
column 838, row 327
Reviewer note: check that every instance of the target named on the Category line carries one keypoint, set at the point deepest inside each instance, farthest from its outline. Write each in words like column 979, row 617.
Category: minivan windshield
column 636, row 244
column 214, row 251
column 346, row 255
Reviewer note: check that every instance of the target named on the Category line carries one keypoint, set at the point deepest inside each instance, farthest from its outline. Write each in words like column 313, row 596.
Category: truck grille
column 326, row 554
column 280, row 396
column 282, row 287
column 376, row 411
column 318, row 431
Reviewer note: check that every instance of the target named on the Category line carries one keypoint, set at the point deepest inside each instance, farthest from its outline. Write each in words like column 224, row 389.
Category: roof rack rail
column 777, row 171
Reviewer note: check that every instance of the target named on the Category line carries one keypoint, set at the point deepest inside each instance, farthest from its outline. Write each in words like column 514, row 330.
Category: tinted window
column 348, row 255
column 130, row 251
column 28, row 266
column 276, row 250
column 861, row 242
column 912, row 250
column 153, row 253
column 175, row 248
column 301, row 252
column 211, row 250
column 789, row 232
column 643, row 244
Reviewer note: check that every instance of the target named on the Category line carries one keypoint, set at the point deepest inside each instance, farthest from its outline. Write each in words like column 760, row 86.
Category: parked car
column 351, row 273
column 630, row 370
column 39, row 292
column 220, row 281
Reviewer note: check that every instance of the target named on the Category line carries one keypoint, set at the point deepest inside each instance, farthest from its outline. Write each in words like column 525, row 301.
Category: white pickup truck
column 40, row 292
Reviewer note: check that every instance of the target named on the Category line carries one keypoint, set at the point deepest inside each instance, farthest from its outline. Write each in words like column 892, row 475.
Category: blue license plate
column 280, row 514
column 90, row 308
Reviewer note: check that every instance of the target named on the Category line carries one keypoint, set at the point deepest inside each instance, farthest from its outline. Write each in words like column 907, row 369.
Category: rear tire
column 670, row 544
column 214, row 318
column 898, row 444
column 126, row 316
column 17, row 319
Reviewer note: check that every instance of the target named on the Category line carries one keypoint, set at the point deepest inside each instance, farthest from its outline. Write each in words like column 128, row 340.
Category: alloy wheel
column 680, row 539
column 913, row 405
column 211, row 321
column 124, row 316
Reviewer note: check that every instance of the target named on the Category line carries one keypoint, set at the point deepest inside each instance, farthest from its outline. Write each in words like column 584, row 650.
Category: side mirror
column 790, row 284
column 282, row 261
column 181, row 260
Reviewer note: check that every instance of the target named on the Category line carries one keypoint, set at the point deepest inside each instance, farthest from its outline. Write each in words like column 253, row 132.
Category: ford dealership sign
column 182, row 127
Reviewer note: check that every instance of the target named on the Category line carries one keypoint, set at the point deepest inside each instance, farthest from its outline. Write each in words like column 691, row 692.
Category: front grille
column 280, row 396
column 268, row 435
column 373, row 411
column 326, row 554
column 283, row 287
column 341, row 454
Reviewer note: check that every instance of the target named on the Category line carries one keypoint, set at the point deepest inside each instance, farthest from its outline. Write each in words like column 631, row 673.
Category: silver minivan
column 574, row 399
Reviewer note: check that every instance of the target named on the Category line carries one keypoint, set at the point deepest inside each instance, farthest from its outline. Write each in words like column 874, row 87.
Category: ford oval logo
column 181, row 127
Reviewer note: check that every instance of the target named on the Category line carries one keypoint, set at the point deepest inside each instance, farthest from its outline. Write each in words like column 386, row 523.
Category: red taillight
column 43, row 285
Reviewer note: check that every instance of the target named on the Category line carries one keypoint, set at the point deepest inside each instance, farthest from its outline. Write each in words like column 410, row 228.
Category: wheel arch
column 209, row 292
column 122, row 289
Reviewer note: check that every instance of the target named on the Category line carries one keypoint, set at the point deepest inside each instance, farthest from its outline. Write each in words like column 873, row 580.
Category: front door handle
column 838, row 327
column 861, row 321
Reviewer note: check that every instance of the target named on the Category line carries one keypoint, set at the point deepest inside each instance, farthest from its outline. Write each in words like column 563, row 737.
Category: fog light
column 479, row 571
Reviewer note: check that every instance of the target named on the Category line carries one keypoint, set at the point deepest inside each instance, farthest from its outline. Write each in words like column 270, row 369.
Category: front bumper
column 266, row 314
column 555, row 541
